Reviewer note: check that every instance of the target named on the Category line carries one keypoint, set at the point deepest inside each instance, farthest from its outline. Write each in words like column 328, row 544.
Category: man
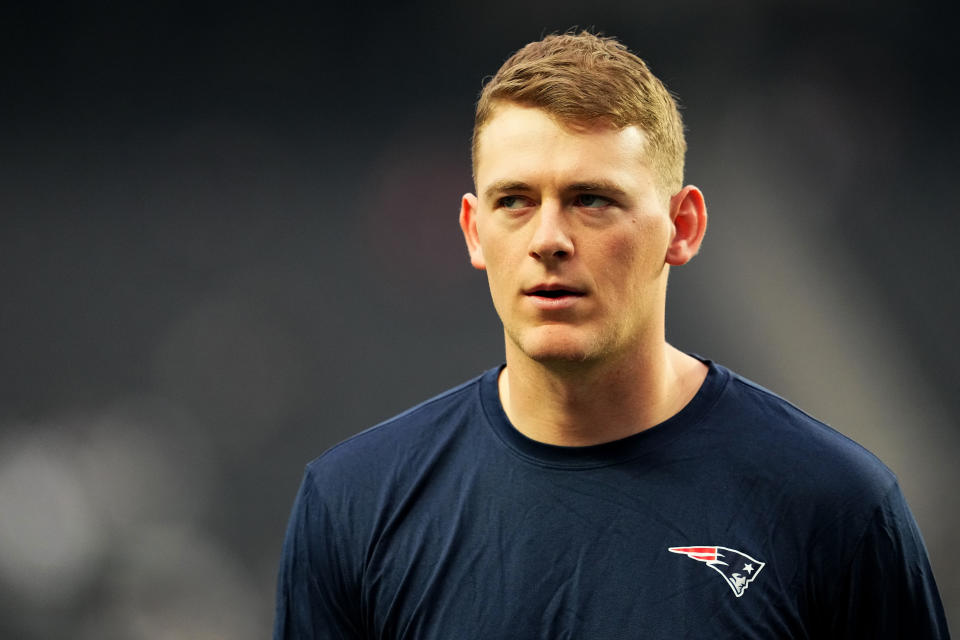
column 602, row 484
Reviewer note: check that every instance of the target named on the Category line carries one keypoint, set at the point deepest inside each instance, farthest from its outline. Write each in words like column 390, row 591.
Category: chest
column 538, row 554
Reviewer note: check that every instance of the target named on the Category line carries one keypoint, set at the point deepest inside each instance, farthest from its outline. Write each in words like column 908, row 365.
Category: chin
column 552, row 346
column 559, row 356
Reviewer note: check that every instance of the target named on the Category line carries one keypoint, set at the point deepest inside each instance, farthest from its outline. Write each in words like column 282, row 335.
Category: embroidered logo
column 737, row 568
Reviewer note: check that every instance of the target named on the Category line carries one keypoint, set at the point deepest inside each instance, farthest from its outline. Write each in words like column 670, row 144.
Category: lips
column 554, row 297
column 554, row 291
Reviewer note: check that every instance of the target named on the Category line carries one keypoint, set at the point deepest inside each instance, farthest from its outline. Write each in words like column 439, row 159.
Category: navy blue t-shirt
column 739, row 517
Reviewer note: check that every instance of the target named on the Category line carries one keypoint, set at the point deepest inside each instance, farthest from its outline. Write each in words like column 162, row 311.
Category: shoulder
column 400, row 441
column 813, row 457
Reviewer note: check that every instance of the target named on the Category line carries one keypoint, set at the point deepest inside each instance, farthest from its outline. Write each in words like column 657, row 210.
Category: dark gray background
column 228, row 239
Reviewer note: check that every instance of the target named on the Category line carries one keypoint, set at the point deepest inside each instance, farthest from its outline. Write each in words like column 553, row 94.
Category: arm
column 315, row 598
column 887, row 590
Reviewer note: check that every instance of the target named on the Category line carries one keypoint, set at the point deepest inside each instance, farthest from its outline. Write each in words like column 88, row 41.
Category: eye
column 591, row 201
column 512, row 202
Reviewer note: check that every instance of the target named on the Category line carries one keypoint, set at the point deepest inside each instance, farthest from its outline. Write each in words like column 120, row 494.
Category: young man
column 602, row 484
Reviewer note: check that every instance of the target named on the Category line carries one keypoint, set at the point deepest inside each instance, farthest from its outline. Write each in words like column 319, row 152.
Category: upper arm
column 316, row 597
column 886, row 589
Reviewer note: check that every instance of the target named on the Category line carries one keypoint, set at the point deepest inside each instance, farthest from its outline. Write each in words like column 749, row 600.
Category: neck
column 592, row 404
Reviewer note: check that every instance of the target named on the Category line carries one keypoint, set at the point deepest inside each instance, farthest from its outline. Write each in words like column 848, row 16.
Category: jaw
column 584, row 343
column 553, row 344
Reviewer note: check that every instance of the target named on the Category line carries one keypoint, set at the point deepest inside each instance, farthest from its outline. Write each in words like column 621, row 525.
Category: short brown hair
column 582, row 77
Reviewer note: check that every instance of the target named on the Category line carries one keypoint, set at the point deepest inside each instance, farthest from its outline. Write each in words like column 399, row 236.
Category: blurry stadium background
column 228, row 240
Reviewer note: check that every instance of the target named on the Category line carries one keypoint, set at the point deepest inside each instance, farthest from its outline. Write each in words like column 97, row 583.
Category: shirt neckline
column 607, row 453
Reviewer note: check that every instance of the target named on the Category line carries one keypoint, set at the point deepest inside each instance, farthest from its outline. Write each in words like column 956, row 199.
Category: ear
column 468, row 223
column 688, row 213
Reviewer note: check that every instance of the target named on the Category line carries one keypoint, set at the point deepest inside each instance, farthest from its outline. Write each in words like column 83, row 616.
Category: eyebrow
column 502, row 186
column 599, row 185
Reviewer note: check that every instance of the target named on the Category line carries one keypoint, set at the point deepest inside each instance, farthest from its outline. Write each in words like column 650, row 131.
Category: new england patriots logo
column 738, row 569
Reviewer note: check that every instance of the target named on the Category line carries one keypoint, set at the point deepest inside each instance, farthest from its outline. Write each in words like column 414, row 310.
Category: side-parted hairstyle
column 586, row 78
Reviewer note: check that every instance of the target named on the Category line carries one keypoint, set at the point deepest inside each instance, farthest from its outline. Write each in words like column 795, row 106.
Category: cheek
column 638, row 254
column 500, row 249
column 498, row 267
column 493, row 259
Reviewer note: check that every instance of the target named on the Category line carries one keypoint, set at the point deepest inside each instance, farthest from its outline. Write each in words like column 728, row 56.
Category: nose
column 551, row 240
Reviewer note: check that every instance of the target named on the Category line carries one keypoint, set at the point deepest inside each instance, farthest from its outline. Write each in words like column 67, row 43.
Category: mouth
column 553, row 294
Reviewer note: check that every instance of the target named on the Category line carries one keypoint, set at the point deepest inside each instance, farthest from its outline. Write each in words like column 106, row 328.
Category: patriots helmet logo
column 737, row 568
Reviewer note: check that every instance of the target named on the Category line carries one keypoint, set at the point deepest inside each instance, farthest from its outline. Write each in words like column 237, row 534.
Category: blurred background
column 228, row 240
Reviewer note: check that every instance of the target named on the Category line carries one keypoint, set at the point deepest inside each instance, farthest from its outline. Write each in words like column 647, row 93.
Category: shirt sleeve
column 316, row 600
column 888, row 589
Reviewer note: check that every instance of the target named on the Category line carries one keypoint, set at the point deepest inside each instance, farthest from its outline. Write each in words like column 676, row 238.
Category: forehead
column 520, row 142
